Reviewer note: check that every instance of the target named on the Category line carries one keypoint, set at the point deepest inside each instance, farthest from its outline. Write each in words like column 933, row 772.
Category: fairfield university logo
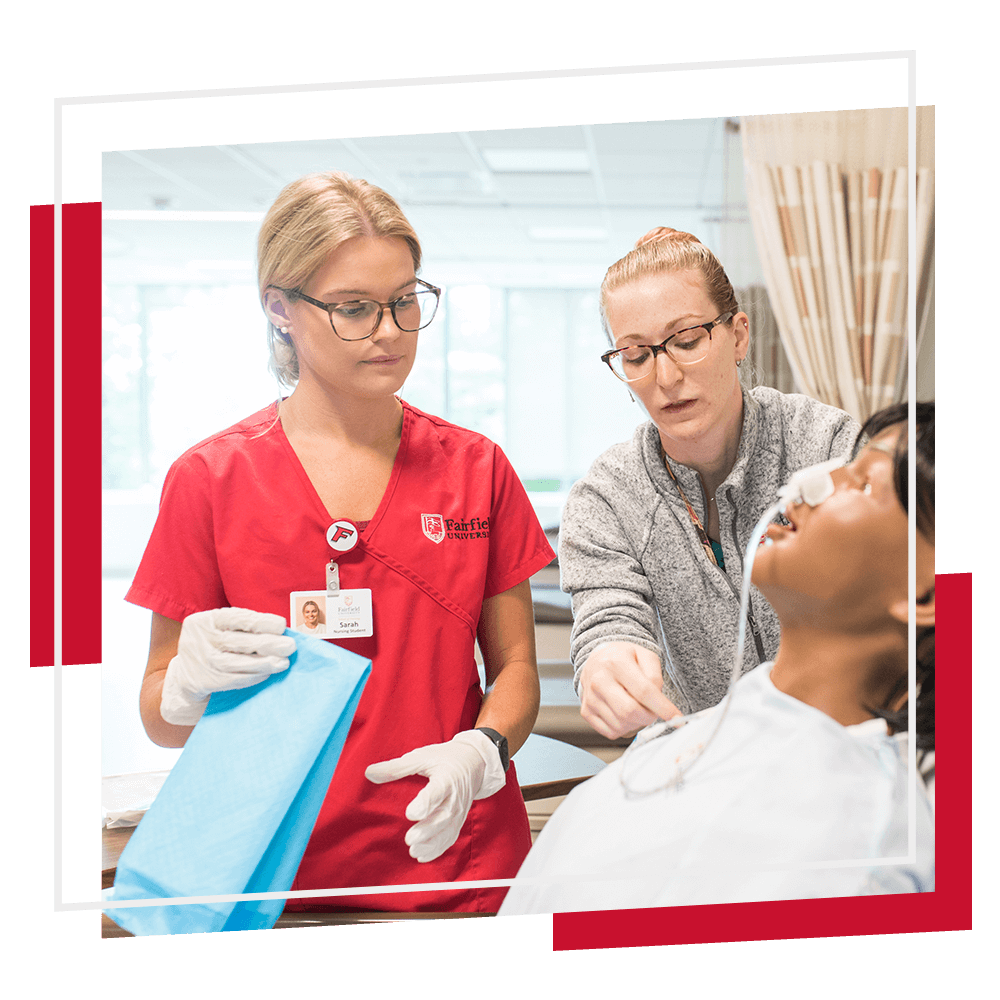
column 437, row 528
column 433, row 525
column 342, row 535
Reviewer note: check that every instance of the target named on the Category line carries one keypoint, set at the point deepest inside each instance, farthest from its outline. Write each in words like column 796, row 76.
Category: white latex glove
column 221, row 650
column 461, row 771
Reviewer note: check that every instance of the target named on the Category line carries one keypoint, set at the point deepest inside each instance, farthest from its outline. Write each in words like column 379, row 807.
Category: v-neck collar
column 319, row 507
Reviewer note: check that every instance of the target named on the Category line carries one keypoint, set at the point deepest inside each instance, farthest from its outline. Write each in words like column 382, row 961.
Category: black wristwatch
column 500, row 742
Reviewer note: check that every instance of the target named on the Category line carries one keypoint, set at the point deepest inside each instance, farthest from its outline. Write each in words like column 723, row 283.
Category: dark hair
column 877, row 422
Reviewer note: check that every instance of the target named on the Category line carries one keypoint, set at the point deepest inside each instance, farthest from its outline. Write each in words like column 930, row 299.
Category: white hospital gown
column 785, row 803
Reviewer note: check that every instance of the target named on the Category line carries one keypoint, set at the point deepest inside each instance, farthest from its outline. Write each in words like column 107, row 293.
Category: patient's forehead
column 886, row 441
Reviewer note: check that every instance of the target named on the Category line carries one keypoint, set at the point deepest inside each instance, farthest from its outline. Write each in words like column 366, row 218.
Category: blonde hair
column 309, row 219
column 663, row 250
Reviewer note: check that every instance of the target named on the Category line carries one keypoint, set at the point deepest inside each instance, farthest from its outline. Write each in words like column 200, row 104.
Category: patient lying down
column 803, row 789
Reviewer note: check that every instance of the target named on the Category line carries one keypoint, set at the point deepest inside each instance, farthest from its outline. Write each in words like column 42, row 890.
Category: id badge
column 346, row 614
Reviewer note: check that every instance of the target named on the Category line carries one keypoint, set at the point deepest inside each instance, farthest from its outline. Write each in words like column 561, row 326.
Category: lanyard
column 706, row 544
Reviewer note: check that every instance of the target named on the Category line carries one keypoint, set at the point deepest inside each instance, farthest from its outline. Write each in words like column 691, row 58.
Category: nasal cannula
column 812, row 486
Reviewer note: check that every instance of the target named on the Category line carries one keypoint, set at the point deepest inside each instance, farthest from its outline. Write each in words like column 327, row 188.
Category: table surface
column 542, row 764
column 113, row 843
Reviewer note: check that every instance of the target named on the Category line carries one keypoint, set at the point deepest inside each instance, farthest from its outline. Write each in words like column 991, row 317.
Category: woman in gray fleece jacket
column 652, row 538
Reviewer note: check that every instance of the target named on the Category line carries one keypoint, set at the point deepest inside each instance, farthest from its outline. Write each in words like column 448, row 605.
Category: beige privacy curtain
column 827, row 193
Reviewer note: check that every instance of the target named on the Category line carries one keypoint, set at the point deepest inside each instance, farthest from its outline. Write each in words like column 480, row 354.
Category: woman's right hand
column 221, row 650
column 621, row 690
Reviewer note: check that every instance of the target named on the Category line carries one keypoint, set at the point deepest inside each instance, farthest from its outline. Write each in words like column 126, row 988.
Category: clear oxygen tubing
column 811, row 485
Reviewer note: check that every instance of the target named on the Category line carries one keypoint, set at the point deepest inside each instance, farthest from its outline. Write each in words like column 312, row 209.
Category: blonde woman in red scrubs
column 432, row 536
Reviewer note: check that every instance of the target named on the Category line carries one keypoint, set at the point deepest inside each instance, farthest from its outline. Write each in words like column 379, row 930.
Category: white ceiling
column 476, row 199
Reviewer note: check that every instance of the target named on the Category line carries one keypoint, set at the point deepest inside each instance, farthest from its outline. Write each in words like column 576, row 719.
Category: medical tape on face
column 811, row 485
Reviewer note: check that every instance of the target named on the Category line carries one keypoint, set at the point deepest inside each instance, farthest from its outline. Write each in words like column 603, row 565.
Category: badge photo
column 308, row 613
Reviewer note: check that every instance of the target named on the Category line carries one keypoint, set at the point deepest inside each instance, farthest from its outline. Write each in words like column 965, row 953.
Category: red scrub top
column 240, row 525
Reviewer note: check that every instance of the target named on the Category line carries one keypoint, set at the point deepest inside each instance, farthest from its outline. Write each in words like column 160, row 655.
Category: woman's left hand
column 459, row 772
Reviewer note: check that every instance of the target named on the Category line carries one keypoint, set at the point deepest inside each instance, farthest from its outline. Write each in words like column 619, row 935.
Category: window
column 518, row 365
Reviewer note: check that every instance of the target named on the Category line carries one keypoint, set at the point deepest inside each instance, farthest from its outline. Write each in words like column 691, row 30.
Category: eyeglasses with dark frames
column 686, row 347
column 358, row 319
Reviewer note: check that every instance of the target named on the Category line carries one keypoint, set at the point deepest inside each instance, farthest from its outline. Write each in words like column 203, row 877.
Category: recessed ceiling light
column 537, row 161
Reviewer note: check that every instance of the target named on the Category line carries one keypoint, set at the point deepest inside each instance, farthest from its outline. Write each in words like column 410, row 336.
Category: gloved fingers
column 429, row 852
column 241, row 670
column 424, row 853
column 435, row 795
column 436, row 823
column 245, row 620
column 392, row 770
column 427, row 842
column 205, row 632
column 249, row 642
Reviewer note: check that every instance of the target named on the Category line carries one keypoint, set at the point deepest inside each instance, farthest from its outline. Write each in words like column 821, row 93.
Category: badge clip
column 341, row 536
column 332, row 577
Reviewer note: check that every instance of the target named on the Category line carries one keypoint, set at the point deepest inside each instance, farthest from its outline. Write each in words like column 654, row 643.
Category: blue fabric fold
column 237, row 810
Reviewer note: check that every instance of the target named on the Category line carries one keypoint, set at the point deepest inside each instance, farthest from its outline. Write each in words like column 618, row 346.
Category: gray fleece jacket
column 630, row 556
